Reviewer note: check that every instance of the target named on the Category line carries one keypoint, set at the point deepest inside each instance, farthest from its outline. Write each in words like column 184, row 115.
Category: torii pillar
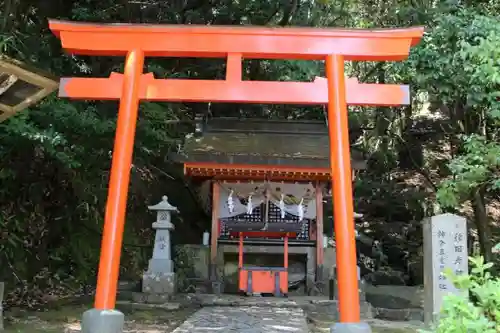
column 135, row 42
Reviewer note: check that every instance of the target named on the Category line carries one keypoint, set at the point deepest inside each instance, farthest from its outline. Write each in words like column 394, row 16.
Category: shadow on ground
column 66, row 318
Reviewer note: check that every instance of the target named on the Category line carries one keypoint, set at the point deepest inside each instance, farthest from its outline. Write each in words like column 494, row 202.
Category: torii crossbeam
column 135, row 42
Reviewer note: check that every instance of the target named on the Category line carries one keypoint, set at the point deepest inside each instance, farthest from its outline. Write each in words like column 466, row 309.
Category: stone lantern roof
column 163, row 205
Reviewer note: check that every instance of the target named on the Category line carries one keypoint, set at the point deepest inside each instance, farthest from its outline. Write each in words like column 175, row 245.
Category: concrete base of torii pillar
column 350, row 328
column 103, row 321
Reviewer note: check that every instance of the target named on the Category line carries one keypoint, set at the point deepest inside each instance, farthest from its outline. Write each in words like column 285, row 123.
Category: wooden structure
column 264, row 280
column 225, row 151
column 21, row 86
column 135, row 42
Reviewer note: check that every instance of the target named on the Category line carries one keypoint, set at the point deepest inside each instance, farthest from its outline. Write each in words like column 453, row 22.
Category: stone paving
column 249, row 319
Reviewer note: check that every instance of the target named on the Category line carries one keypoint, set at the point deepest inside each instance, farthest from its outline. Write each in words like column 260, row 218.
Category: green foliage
column 458, row 59
column 475, row 168
column 477, row 309
column 457, row 68
column 458, row 63
column 184, row 268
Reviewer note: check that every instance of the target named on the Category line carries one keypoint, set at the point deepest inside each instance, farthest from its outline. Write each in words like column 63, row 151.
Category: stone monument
column 445, row 247
column 159, row 280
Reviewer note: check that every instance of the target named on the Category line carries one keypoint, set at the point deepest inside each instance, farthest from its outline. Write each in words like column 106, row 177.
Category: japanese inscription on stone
column 161, row 242
column 445, row 248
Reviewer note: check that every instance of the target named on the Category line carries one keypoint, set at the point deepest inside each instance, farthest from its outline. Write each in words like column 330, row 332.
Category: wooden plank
column 27, row 73
column 6, row 108
column 4, row 116
column 21, row 72
column 32, row 100
column 11, row 79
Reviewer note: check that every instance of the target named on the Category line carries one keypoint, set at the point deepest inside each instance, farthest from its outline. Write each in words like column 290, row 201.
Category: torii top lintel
column 249, row 42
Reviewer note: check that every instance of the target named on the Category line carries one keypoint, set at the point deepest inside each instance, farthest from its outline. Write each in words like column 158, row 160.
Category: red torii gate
column 135, row 42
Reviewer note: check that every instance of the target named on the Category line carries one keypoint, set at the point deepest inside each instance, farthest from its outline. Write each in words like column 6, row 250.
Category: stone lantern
column 159, row 279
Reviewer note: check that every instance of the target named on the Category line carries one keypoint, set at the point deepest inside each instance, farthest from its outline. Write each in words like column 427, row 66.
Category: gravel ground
column 67, row 319
column 242, row 314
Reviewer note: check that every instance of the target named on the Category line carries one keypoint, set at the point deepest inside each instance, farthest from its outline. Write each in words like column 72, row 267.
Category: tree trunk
column 482, row 224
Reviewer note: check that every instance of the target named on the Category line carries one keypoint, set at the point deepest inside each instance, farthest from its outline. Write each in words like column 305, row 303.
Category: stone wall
column 191, row 266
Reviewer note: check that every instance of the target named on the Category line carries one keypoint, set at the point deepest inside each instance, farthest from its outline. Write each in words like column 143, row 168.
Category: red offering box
column 265, row 280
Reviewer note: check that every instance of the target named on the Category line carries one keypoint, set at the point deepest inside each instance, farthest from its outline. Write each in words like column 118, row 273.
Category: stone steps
column 245, row 319
column 319, row 313
column 399, row 315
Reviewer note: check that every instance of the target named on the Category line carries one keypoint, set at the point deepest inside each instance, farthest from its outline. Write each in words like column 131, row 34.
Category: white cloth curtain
column 240, row 192
column 292, row 193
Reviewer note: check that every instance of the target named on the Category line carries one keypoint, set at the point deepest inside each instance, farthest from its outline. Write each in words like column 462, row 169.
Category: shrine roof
column 264, row 143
